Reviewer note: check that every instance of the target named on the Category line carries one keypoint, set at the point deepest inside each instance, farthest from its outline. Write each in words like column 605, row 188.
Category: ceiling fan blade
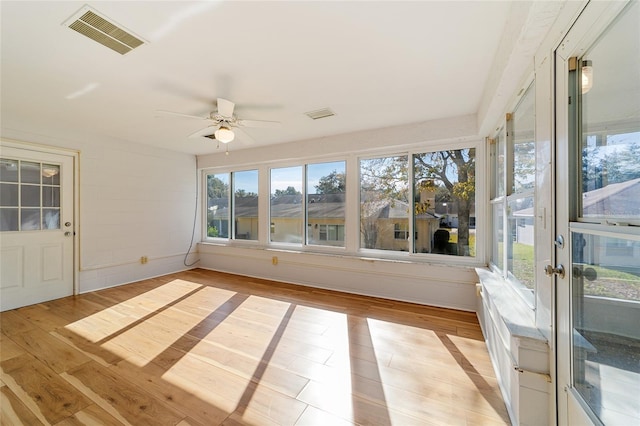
column 178, row 114
column 259, row 123
column 207, row 131
column 244, row 136
column 225, row 107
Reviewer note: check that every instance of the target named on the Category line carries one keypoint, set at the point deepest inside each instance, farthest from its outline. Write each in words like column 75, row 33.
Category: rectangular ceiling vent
column 99, row 29
column 320, row 113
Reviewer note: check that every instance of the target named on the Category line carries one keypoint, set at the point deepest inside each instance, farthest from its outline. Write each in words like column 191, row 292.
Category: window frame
column 499, row 200
column 351, row 246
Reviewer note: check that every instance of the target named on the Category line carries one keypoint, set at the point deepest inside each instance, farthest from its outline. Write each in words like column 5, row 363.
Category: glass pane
column 51, row 219
column 611, row 122
column 524, row 148
column 30, row 219
column 30, row 195
column 218, row 205
column 384, row 202
column 444, row 202
column 606, row 336
column 500, row 177
column 8, row 219
column 520, row 248
column 51, row 174
column 286, row 205
column 8, row 170
column 326, row 186
column 245, row 202
column 51, row 196
column 29, row 172
column 8, row 194
column 497, row 256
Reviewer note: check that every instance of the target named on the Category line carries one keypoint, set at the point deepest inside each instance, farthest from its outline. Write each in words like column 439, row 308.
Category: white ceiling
column 375, row 64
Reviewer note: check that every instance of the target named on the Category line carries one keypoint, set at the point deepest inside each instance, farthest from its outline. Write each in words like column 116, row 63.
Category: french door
column 598, row 217
column 36, row 226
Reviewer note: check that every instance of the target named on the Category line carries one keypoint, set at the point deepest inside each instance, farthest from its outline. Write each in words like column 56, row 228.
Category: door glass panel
column 50, row 196
column 30, row 219
column 29, row 172
column 8, row 170
column 610, row 142
column 51, row 219
column 606, row 336
column 50, row 174
column 8, row 194
column 8, row 219
column 30, row 196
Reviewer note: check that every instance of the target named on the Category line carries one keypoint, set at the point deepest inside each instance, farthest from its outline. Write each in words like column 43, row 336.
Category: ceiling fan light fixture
column 224, row 134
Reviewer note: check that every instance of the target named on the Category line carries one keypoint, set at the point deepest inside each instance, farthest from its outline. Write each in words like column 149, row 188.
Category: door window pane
column 30, row 195
column 606, row 336
column 22, row 189
column 8, row 194
column 326, row 187
column 8, row 170
column 29, row 219
column 286, row 207
column 245, row 204
column 444, row 202
column 29, row 172
column 50, row 174
column 50, row 196
column 50, row 219
column 384, row 202
column 610, row 141
column 8, row 219
column 218, row 205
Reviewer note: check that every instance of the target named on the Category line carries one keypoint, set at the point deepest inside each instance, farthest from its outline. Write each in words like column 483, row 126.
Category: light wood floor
column 205, row 348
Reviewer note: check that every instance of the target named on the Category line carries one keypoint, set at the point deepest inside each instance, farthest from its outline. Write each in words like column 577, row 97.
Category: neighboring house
column 385, row 227
column 616, row 201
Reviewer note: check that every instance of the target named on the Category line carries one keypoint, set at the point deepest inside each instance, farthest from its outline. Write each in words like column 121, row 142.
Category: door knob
column 558, row 270
column 67, row 234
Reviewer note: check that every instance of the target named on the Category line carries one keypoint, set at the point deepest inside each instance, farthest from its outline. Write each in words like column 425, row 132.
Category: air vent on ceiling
column 320, row 113
column 97, row 28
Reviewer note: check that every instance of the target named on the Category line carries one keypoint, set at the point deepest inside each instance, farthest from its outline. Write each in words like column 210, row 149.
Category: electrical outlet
column 274, row 260
column 144, row 260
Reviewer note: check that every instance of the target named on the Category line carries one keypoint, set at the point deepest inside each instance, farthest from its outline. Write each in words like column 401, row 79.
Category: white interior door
column 36, row 226
column 598, row 214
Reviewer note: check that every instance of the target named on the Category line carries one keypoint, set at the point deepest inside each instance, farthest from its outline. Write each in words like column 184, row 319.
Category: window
column 286, row 208
column 444, row 202
column 326, row 190
column 29, row 195
column 418, row 203
column 331, row 233
column 245, row 205
column 218, row 205
column 384, row 202
column 513, row 196
column 401, row 231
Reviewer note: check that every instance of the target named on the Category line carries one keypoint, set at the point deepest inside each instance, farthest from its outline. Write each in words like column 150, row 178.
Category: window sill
column 340, row 252
column 517, row 316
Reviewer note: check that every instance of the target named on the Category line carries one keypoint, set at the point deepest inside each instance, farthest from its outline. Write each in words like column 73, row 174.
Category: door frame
column 591, row 23
column 75, row 155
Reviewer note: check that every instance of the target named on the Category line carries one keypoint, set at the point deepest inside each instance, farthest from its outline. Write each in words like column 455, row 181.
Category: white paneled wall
column 135, row 201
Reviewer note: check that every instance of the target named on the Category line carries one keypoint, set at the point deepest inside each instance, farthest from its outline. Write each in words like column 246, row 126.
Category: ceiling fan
column 223, row 122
